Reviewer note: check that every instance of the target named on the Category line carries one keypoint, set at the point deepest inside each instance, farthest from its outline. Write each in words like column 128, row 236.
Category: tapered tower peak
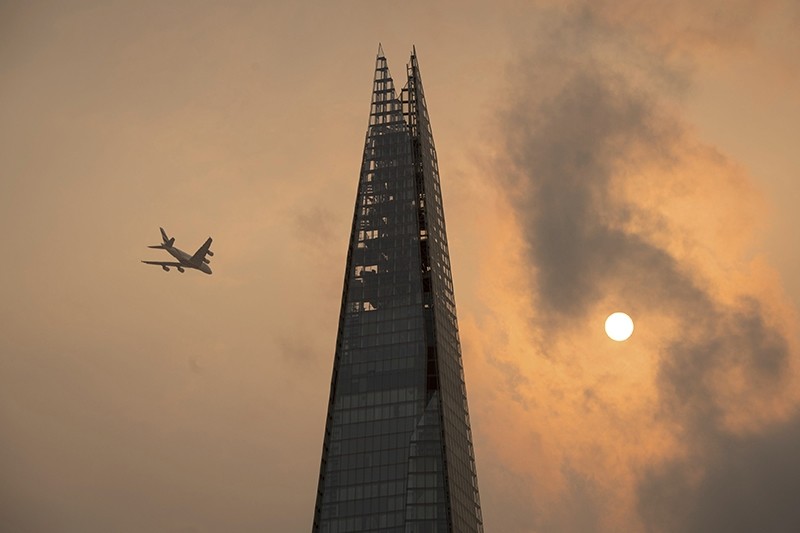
column 397, row 453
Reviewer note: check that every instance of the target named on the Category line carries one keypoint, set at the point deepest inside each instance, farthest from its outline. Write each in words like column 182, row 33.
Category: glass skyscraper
column 397, row 453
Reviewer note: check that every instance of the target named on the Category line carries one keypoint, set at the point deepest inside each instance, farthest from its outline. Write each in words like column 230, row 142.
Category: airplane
column 197, row 261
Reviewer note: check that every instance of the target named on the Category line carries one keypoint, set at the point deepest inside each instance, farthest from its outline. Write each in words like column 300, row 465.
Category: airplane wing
column 163, row 263
column 201, row 252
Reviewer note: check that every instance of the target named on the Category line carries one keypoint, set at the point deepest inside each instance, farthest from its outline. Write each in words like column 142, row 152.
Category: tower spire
column 397, row 452
column 385, row 108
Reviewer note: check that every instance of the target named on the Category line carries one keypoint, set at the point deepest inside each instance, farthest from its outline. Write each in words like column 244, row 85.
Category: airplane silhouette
column 197, row 261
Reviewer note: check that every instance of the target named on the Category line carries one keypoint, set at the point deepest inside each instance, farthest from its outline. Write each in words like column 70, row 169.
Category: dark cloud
column 566, row 152
column 730, row 338
column 585, row 122
column 728, row 481
column 742, row 484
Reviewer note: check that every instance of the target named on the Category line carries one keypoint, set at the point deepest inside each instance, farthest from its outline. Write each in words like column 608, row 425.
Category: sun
column 619, row 326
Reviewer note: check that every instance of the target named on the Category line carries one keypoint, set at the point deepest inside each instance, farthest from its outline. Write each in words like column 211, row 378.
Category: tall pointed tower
column 397, row 454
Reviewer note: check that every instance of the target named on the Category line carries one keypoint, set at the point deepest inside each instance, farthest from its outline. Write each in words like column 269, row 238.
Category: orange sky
column 595, row 156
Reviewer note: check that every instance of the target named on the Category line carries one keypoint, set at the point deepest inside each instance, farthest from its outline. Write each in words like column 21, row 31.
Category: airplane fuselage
column 186, row 260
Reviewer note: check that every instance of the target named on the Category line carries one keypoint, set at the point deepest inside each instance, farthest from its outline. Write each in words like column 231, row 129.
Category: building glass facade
column 397, row 453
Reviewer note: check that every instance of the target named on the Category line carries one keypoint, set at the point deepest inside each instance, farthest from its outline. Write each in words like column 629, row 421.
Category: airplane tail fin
column 167, row 241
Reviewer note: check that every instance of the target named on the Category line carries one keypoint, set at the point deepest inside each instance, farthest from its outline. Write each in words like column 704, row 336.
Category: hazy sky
column 595, row 156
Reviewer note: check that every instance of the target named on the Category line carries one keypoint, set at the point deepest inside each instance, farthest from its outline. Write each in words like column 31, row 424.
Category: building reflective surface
column 397, row 453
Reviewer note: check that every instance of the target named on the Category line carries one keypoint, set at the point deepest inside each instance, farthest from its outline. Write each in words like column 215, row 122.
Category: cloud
column 612, row 194
column 566, row 165
column 743, row 483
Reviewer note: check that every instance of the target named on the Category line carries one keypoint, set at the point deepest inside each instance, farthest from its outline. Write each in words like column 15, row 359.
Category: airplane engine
column 165, row 267
column 181, row 270
column 206, row 261
column 211, row 253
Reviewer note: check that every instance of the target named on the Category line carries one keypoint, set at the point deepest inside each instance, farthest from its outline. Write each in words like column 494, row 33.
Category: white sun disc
column 619, row 326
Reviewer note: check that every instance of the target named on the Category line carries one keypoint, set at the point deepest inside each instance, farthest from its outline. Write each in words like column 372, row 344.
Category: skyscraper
column 397, row 453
